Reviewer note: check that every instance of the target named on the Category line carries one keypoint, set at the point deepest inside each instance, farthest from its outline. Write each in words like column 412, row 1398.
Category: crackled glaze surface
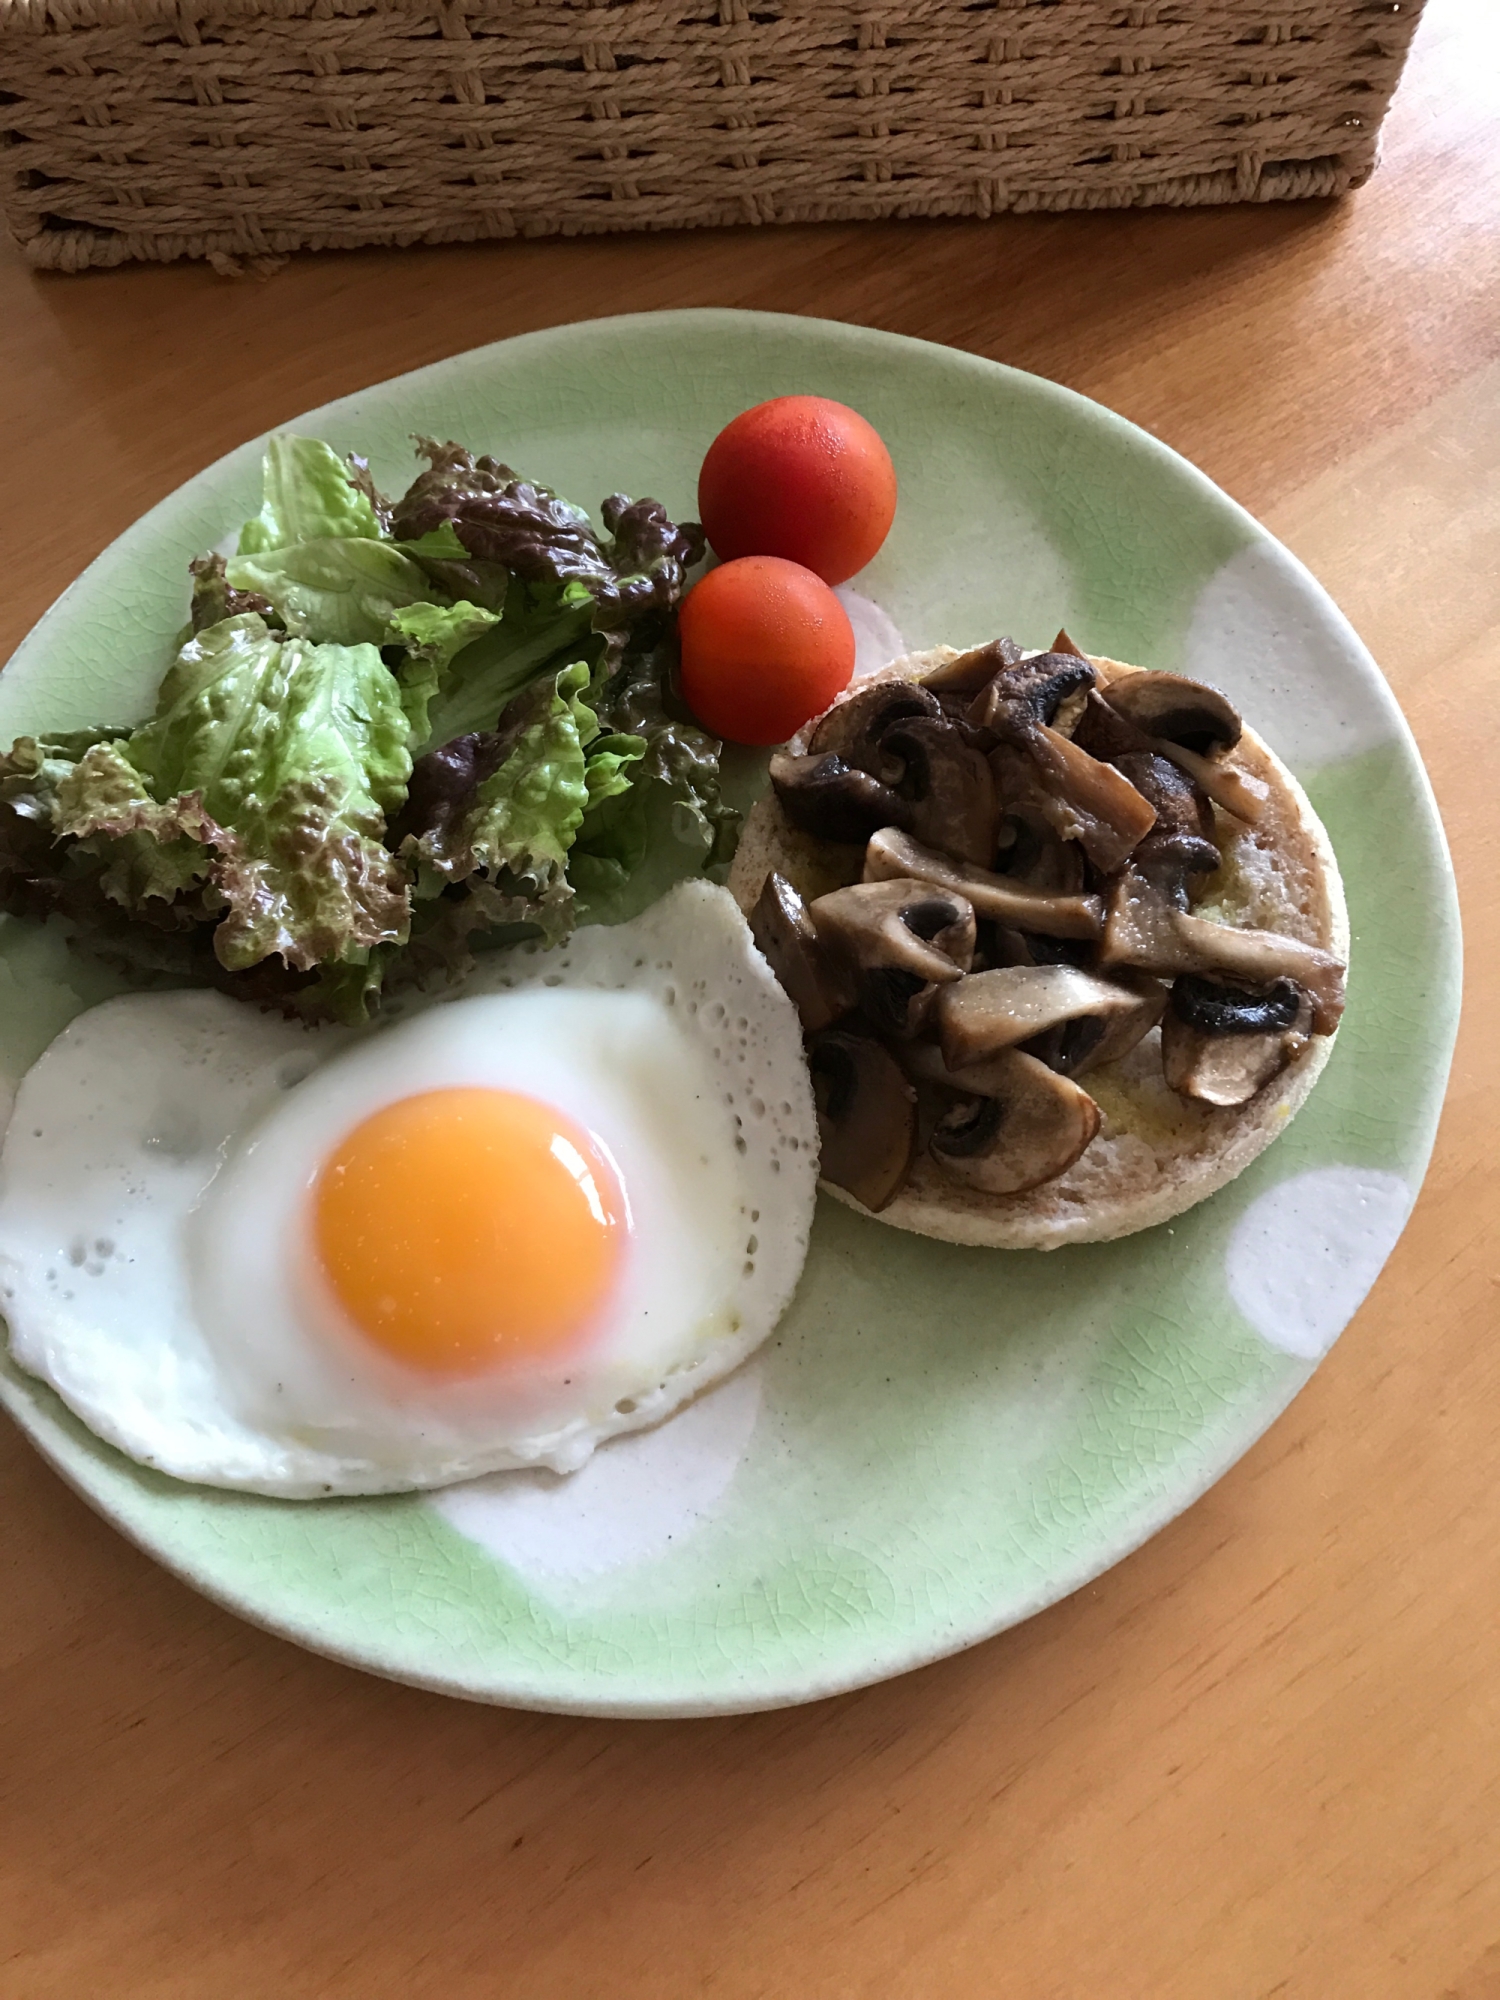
column 937, row 1442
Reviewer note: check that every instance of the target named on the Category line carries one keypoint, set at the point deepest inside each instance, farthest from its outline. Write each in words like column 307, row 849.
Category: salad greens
column 392, row 731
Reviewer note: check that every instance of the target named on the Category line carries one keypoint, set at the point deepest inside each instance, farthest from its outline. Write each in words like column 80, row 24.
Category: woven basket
column 243, row 129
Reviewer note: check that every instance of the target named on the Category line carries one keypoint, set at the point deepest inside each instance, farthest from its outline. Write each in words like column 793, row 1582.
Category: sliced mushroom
column 988, row 1011
column 1086, row 800
column 1178, row 710
column 1000, row 945
column 1113, row 729
column 892, row 855
column 975, row 669
column 892, row 944
column 1221, row 1044
column 853, row 728
column 1029, row 849
column 1228, row 786
column 867, row 1116
column 1212, row 1008
column 1077, row 1048
column 1180, row 845
column 784, row 933
column 1105, row 732
column 1025, row 1126
column 1063, row 644
column 1026, row 696
column 833, row 800
column 1143, row 929
column 947, row 784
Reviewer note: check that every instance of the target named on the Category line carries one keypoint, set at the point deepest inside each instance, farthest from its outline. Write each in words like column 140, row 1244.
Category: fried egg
column 492, row 1232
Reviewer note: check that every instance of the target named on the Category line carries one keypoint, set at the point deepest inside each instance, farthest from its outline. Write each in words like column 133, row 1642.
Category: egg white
column 155, row 1263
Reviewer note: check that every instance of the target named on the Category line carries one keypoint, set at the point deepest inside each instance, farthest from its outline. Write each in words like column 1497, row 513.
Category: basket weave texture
column 243, row 129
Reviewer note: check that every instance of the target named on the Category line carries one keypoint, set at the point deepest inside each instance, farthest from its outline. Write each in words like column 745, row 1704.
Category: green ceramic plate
column 938, row 1442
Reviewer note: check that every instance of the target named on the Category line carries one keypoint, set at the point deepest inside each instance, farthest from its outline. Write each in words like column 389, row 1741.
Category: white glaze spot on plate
column 1304, row 1254
column 877, row 637
column 636, row 1497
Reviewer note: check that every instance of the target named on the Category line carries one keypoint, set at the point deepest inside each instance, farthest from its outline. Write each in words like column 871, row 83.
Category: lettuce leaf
column 531, row 532
column 267, row 829
column 432, row 636
column 213, row 599
column 308, row 494
column 299, row 752
column 339, row 590
column 539, row 632
column 500, row 809
column 639, row 699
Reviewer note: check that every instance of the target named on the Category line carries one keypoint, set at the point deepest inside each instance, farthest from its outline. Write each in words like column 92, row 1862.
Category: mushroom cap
column 1214, row 1008
column 1181, row 843
column 785, row 937
column 1179, row 710
column 892, row 855
column 1026, row 696
column 1228, row 1068
column 892, row 944
column 987, row 1011
column 947, row 785
column 854, row 727
column 833, row 800
column 1028, row 1126
column 867, row 1116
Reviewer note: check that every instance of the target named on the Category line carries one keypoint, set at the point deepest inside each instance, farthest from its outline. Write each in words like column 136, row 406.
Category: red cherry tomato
column 799, row 477
column 765, row 647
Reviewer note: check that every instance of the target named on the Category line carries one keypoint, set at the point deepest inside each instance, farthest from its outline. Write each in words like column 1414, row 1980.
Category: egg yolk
column 464, row 1228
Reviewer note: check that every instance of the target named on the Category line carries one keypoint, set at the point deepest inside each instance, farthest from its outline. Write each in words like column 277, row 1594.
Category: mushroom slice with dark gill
column 854, row 727
column 947, row 786
column 1221, row 1044
column 1025, row 695
column 1183, row 711
column 1086, row 800
column 867, row 1116
column 833, row 800
column 1193, row 725
column 892, row 944
column 1022, row 1125
column 784, row 935
column 1071, row 1011
column 1028, row 848
column 1143, row 929
column 892, row 855
column 1180, row 845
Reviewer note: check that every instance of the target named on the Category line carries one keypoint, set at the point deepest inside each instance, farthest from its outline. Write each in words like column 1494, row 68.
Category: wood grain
column 1262, row 1757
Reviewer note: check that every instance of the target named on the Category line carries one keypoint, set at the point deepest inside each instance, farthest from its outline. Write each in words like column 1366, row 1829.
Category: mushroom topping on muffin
column 892, row 944
column 786, row 939
column 1020, row 1124
column 1036, row 833
column 892, row 855
column 1222, row 1043
column 867, row 1115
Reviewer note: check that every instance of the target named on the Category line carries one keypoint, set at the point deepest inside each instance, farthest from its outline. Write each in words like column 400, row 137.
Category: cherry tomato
column 765, row 647
column 799, row 477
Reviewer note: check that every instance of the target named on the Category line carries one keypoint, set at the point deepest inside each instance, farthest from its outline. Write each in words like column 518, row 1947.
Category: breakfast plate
column 937, row 1442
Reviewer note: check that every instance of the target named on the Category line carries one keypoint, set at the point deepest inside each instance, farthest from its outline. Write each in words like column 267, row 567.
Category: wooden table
column 1262, row 1757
